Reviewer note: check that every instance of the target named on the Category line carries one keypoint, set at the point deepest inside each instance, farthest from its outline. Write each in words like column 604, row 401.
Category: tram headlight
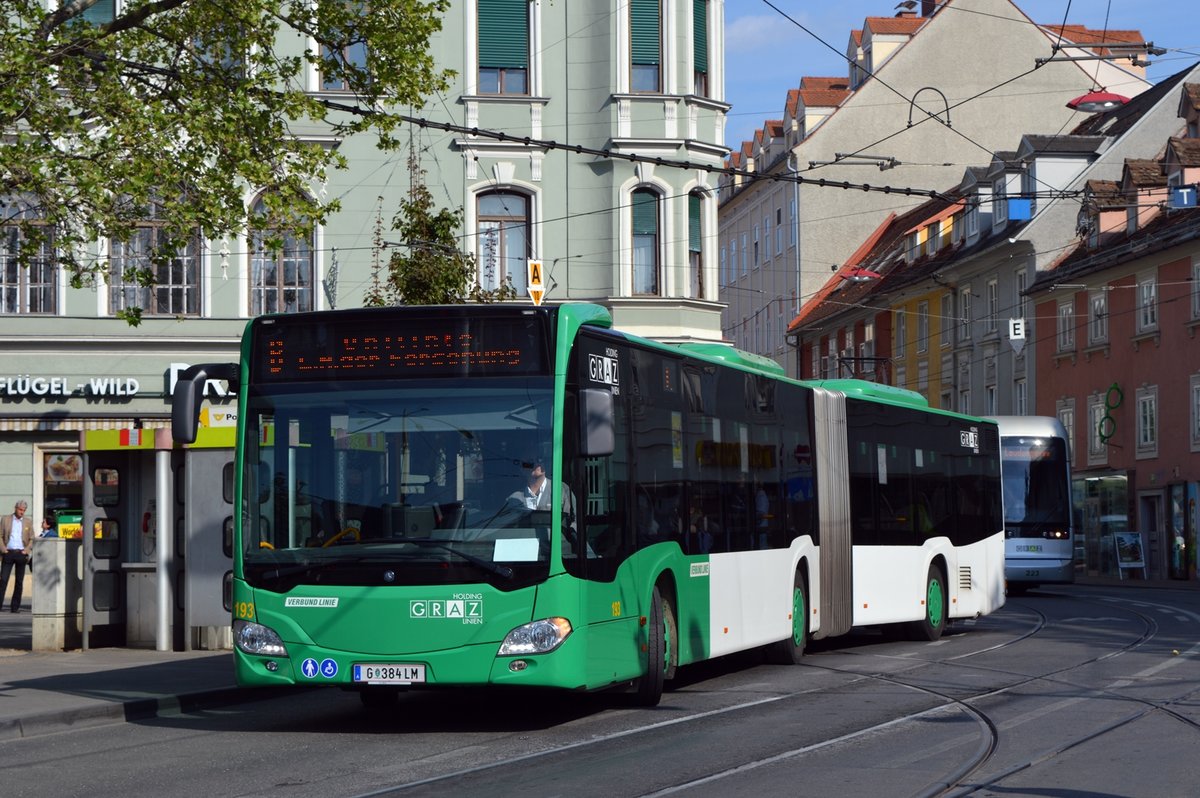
column 1055, row 534
column 538, row 637
column 254, row 638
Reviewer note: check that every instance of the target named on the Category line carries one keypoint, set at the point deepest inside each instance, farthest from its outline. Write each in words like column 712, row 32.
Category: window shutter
column 504, row 33
column 644, row 38
column 645, row 214
column 694, row 224
column 700, row 34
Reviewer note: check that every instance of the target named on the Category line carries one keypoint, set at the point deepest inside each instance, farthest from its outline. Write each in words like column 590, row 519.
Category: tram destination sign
column 377, row 345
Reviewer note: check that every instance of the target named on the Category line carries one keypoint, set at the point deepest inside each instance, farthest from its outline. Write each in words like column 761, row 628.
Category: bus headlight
column 539, row 637
column 254, row 638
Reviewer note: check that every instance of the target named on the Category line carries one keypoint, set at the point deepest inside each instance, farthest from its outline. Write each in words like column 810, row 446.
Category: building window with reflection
column 645, row 46
column 695, row 244
column 1066, row 326
column 282, row 269
column 1098, row 317
column 700, row 47
column 503, row 238
column 338, row 64
column 155, row 272
column 28, row 266
column 646, row 242
column 1147, row 421
column 1147, row 304
column 503, row 46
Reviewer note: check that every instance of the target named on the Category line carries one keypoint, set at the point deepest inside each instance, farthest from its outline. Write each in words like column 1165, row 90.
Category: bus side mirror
column 596, row 438
column 189, row 391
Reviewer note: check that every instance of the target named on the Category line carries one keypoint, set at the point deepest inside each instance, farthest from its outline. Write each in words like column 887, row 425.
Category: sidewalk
column 45, row 692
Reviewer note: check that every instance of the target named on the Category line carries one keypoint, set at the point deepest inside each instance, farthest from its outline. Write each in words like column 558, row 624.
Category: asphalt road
column 1074, row 691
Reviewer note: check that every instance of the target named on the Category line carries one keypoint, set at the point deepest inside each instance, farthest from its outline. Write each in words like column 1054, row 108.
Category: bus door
column 108, row 514
column 207, row 538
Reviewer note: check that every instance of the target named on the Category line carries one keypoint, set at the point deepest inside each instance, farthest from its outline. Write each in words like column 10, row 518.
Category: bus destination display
column 356, row 349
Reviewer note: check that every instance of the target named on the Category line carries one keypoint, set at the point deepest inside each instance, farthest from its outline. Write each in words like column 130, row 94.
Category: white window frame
column 947, row 321
column 898, row 347
column 1066, row 326
column 1020, row 283
column 993, row 303
column 1098, row 317
column 964, row 314
column 1097, row 450
column 1064, row 411
column 922, row 326
column 1147, row 422
column 973, row 216
column 1195, row 287
column 1194, row 411
column 912, row 246
column 1020, row 400
column 1000, row 202
column 1147, row 303
column 866, row 349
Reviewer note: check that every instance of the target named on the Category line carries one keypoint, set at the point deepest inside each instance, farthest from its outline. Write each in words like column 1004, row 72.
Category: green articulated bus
column 519, row 495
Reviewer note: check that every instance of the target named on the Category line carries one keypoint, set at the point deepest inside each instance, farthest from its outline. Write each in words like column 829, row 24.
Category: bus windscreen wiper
column 487, row 565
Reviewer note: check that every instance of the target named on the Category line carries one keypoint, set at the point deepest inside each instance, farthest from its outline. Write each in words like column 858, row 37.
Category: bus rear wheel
column 930, row 627
column 790, row 651
column 661, row 656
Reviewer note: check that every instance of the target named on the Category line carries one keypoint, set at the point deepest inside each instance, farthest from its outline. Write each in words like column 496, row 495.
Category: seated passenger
column 700, row 533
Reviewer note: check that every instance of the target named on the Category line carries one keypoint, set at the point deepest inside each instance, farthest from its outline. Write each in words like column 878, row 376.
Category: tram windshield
column 1036, row 490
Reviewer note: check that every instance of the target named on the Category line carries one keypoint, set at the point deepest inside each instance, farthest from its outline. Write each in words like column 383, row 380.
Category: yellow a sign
column 537, row 289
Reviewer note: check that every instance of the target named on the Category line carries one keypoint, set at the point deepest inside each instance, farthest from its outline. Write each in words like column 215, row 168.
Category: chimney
column 930, row 7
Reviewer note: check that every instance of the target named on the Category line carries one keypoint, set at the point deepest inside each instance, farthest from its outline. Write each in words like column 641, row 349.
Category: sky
column 757, row 86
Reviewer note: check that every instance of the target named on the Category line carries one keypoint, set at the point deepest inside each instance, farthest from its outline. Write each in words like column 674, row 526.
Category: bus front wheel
column 660, row 653
column 930, row 626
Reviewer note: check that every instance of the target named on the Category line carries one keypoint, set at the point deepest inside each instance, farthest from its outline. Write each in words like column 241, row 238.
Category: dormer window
column 972, row 214
column 933, row 238
column 912, row 248
column 999, row 202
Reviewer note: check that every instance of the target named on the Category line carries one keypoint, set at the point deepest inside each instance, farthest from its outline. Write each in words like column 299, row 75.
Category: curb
column 137, row 709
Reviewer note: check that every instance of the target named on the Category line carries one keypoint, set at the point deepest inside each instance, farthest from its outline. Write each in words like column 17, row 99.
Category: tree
column 183, row 106
column 432, row 269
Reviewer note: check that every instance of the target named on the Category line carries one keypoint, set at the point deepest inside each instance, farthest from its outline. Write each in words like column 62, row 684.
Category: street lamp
column 1097, row 101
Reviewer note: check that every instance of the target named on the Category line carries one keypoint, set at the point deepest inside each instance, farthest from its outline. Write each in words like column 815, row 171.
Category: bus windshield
column 1036, row 492
column 428, row 482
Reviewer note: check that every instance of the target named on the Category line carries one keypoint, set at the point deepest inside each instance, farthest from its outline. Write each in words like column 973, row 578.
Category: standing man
column 16, row 539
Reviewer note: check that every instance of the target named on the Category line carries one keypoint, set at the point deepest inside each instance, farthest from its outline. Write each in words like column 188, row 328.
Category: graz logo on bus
column 603, row 368
column 464, row 607
column 969, row 438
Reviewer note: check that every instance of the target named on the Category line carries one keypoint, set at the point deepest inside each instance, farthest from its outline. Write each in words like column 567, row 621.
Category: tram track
column 957, row 780
column 954, row 782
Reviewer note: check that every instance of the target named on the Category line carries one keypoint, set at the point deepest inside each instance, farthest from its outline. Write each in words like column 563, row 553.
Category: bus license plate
column 388, row 673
